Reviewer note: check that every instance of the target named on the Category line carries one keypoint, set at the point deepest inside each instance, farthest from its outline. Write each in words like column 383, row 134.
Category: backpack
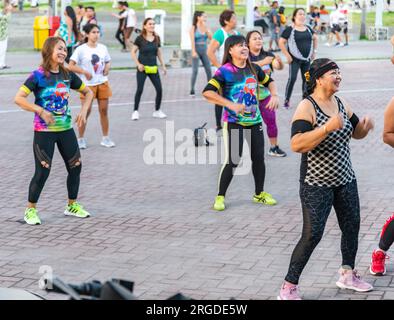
column 201, row 136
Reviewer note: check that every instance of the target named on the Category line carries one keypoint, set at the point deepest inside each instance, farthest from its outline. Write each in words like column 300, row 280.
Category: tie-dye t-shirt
column 239, row 85
column 52, row 93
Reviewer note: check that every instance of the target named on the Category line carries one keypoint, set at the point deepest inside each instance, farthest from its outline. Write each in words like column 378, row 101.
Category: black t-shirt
column 147, row 51
column 268, row 68
column 303, row 39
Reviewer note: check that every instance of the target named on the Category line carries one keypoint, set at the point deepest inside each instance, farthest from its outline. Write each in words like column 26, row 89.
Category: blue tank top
column 200, row 39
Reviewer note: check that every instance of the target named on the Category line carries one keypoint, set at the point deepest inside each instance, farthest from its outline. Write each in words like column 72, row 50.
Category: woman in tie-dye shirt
column 237, row 80
column 51, row 84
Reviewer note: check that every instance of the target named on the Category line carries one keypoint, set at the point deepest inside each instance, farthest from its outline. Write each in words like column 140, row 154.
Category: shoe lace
column 30, row 213
column 294, row 290
column 75, row 206
column 380, row 258
column 356, row 275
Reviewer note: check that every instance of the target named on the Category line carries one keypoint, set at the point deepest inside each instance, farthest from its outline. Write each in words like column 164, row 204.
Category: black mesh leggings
column 234, row 135
column 155, row 78
column 316, row 207
column 44, row 147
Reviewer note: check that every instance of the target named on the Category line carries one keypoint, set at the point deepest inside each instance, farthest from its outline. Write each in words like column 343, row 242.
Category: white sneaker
column 135, row 115
column 82, row 143
column 159, row 114
column 107, row 142
column 327, row 44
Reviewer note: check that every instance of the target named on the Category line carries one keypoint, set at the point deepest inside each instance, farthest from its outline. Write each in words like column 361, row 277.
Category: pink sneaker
column 350, row 279
column 289, row 292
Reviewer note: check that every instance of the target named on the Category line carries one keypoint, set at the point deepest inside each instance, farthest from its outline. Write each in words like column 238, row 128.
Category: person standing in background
column 199, row 35
column 4, row 22
column 274, row 26
column 228, row 22
column 68, row 30
column 121, row 16
column 130, row 24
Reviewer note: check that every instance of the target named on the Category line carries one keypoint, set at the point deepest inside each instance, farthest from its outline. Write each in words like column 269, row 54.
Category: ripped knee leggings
column 44, row 147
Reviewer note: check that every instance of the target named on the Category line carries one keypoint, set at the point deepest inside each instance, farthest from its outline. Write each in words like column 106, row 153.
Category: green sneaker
column 265, row 198
column 76, row 210
column 31, row 216
column 219, row 203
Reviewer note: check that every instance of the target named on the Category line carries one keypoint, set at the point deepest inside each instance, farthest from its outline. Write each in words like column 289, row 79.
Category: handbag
column 201, row 136
column 150, row 69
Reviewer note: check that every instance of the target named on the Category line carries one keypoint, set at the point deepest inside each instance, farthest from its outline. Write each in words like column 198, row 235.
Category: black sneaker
column 276, row 152
column 192, row 93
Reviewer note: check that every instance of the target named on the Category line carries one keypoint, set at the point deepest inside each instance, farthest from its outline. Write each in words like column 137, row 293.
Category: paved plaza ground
column 153, row 224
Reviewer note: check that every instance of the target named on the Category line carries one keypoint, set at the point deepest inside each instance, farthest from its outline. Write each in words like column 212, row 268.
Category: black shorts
column 335, row 28
column 345, row 28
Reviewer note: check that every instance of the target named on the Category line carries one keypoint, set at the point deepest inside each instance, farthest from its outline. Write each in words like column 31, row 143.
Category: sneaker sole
column 32, row 224
column 218, row 209
column 104, row 145
column 342, row 286
column 260, row 202
column 379, row 274
column 68, row 213
column 276, row 155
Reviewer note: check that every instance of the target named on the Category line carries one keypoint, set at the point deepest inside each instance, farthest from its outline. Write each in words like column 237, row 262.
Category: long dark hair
column 47, row 53
column 71, row 13
column 310, row 75
column 88, row 28
column 144, row 32
column 195, row 17
column 231, row 42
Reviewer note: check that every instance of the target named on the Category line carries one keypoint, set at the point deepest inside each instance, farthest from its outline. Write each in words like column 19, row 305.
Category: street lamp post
column 182, row 57
column 363, row 28
column 379, row 13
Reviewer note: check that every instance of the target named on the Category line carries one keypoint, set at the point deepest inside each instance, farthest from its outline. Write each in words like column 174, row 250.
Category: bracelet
column 41, row 111
column 325, row 129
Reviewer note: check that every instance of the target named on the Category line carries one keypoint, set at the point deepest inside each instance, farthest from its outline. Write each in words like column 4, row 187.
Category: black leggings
column 316, row 207
column 120, row 36
column 44, row 147
column 294, row 67
column 387, row 235
column 218, row 115
column 234, row 135
column 155, row 78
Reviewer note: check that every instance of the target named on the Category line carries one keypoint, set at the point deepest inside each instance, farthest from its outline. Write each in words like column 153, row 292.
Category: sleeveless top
column 63, row 33
column 200, row 39
column 329, row 164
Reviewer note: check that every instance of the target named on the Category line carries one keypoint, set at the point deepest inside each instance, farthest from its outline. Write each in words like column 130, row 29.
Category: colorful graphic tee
column 52, row 93
column 92, row 60
column 240, row 85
